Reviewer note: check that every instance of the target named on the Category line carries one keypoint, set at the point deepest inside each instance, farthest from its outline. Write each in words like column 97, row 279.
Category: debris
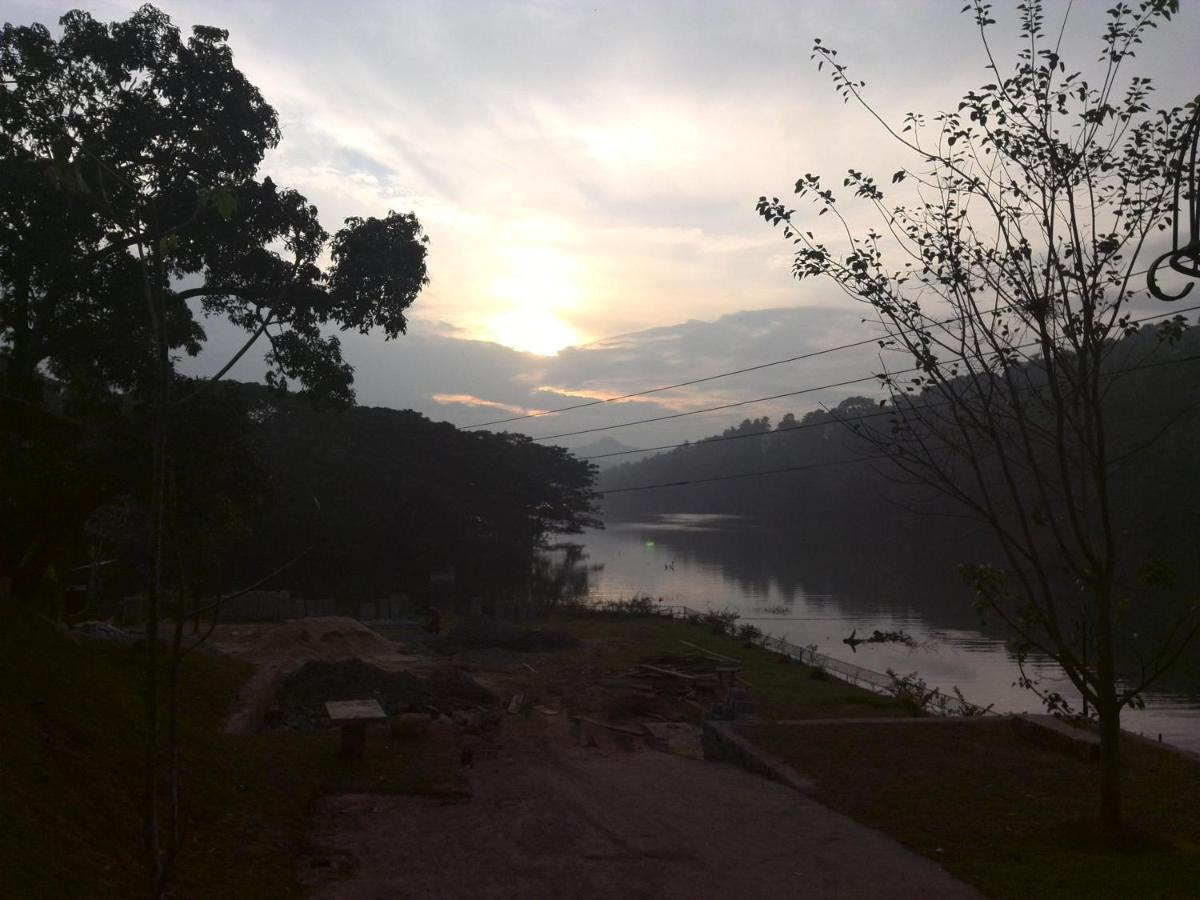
column 515, row 705
column 624, row 683
column 305, row 692
column 102, row 631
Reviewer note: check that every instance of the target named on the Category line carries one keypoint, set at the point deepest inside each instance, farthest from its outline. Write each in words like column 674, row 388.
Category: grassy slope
column 1011, row 817
column 780, row 688
column 1006, row 815
column 70, row 776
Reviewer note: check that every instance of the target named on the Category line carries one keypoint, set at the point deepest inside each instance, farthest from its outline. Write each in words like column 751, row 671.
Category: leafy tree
column 402, row 497
column 1019, row 260
column 130, row 170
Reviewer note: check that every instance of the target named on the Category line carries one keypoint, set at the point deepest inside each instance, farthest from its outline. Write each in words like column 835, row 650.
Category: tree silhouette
column 1035, row 198
column 131, row 159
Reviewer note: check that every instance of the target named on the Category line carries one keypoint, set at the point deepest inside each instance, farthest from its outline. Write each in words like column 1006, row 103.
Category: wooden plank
column 709, row 652
column 658, row 670
column 345, row 711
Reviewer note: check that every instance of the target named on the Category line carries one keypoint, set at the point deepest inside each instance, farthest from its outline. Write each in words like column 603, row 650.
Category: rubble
column 303, row 695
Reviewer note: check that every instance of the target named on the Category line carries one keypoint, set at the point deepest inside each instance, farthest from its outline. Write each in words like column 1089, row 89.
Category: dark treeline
column 350, row 504
column 846, row 493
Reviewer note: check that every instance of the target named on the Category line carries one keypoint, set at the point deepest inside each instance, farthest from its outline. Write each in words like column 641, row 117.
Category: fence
column 933, row 699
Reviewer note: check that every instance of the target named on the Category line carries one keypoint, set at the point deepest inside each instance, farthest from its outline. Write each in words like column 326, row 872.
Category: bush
column 720, row 621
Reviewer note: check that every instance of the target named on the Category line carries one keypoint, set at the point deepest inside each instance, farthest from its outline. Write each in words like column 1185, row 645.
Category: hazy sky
column 590, row 169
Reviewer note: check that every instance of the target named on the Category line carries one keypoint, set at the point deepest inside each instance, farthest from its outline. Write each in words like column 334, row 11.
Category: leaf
column 899, row 177
column 168, row 244
column 223, row 202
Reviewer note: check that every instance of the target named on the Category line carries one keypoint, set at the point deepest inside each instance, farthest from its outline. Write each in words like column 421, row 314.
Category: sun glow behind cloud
column 537, row 288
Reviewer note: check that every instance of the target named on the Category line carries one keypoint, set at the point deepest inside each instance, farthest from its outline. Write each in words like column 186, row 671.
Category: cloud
column 474, row 402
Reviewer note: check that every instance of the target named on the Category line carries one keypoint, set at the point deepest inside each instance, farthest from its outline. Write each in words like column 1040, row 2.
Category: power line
column 670, row 387
column 732, row 437
column 667, row 484
column 707, row 409
column 808, row 390
column 858, row 459
column 891, row 411
column 706, row 378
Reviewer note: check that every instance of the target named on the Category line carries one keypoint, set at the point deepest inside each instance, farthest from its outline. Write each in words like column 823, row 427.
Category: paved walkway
column 574, row 822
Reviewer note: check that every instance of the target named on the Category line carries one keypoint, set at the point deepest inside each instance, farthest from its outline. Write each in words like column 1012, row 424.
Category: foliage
column 129, row 147
column 1017, row 267
column 720, row 621
column 921, row 700
column 752, row 634
column 400, row 497
column 133, row 203
column 131, row 160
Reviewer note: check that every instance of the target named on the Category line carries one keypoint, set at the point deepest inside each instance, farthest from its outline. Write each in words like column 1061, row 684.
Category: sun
column 533, row 331
column 536, row 287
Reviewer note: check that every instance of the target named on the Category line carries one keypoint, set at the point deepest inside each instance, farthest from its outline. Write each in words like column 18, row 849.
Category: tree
column 131, row 162
column 1018, row 263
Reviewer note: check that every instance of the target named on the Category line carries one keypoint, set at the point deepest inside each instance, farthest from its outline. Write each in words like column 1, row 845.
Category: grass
column 71, row 775
column 1006, row 815
column 780, row 688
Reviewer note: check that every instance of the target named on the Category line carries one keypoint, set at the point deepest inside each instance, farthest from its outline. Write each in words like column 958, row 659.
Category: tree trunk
column 1110, row 721
column 152, row 286
column 153, row 598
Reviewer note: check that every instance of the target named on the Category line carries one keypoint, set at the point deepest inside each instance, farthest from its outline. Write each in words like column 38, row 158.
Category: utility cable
column 707, row 409
column 706, row 378
column 733, row 477
column 804, row 426
column 858, row 459
column 807, row 390
column 671, row 387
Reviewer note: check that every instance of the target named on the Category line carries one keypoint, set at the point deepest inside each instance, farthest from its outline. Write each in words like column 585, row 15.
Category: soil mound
column 451, row 690
column 304, row 693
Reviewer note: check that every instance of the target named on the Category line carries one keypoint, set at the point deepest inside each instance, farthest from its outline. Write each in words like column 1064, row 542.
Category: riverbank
column 818, row 591
column 562, row 782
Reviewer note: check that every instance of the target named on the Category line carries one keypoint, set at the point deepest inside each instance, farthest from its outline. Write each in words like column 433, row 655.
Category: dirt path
column 562, row 812
column 551, row 820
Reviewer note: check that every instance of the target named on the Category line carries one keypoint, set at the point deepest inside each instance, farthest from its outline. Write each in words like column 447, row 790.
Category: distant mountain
column 609, row 445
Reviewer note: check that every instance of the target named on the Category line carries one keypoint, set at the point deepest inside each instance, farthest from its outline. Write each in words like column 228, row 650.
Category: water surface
column 811, row 593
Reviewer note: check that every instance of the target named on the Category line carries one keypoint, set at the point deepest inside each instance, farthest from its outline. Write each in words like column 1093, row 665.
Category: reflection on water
column 811, row 593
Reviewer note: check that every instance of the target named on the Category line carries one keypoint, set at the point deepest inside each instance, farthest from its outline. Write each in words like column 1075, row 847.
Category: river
column 819, row 595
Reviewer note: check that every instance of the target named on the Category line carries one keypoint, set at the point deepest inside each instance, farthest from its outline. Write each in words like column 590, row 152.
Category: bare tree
column 1008, row 283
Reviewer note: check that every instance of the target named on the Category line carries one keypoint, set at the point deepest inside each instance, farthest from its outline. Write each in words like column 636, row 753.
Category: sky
column 590, row 170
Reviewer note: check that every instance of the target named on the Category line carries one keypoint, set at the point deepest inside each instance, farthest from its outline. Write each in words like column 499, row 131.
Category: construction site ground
column 568, row 793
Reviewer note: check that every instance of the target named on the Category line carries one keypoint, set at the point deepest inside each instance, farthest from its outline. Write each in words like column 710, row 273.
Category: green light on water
column 649, row 545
